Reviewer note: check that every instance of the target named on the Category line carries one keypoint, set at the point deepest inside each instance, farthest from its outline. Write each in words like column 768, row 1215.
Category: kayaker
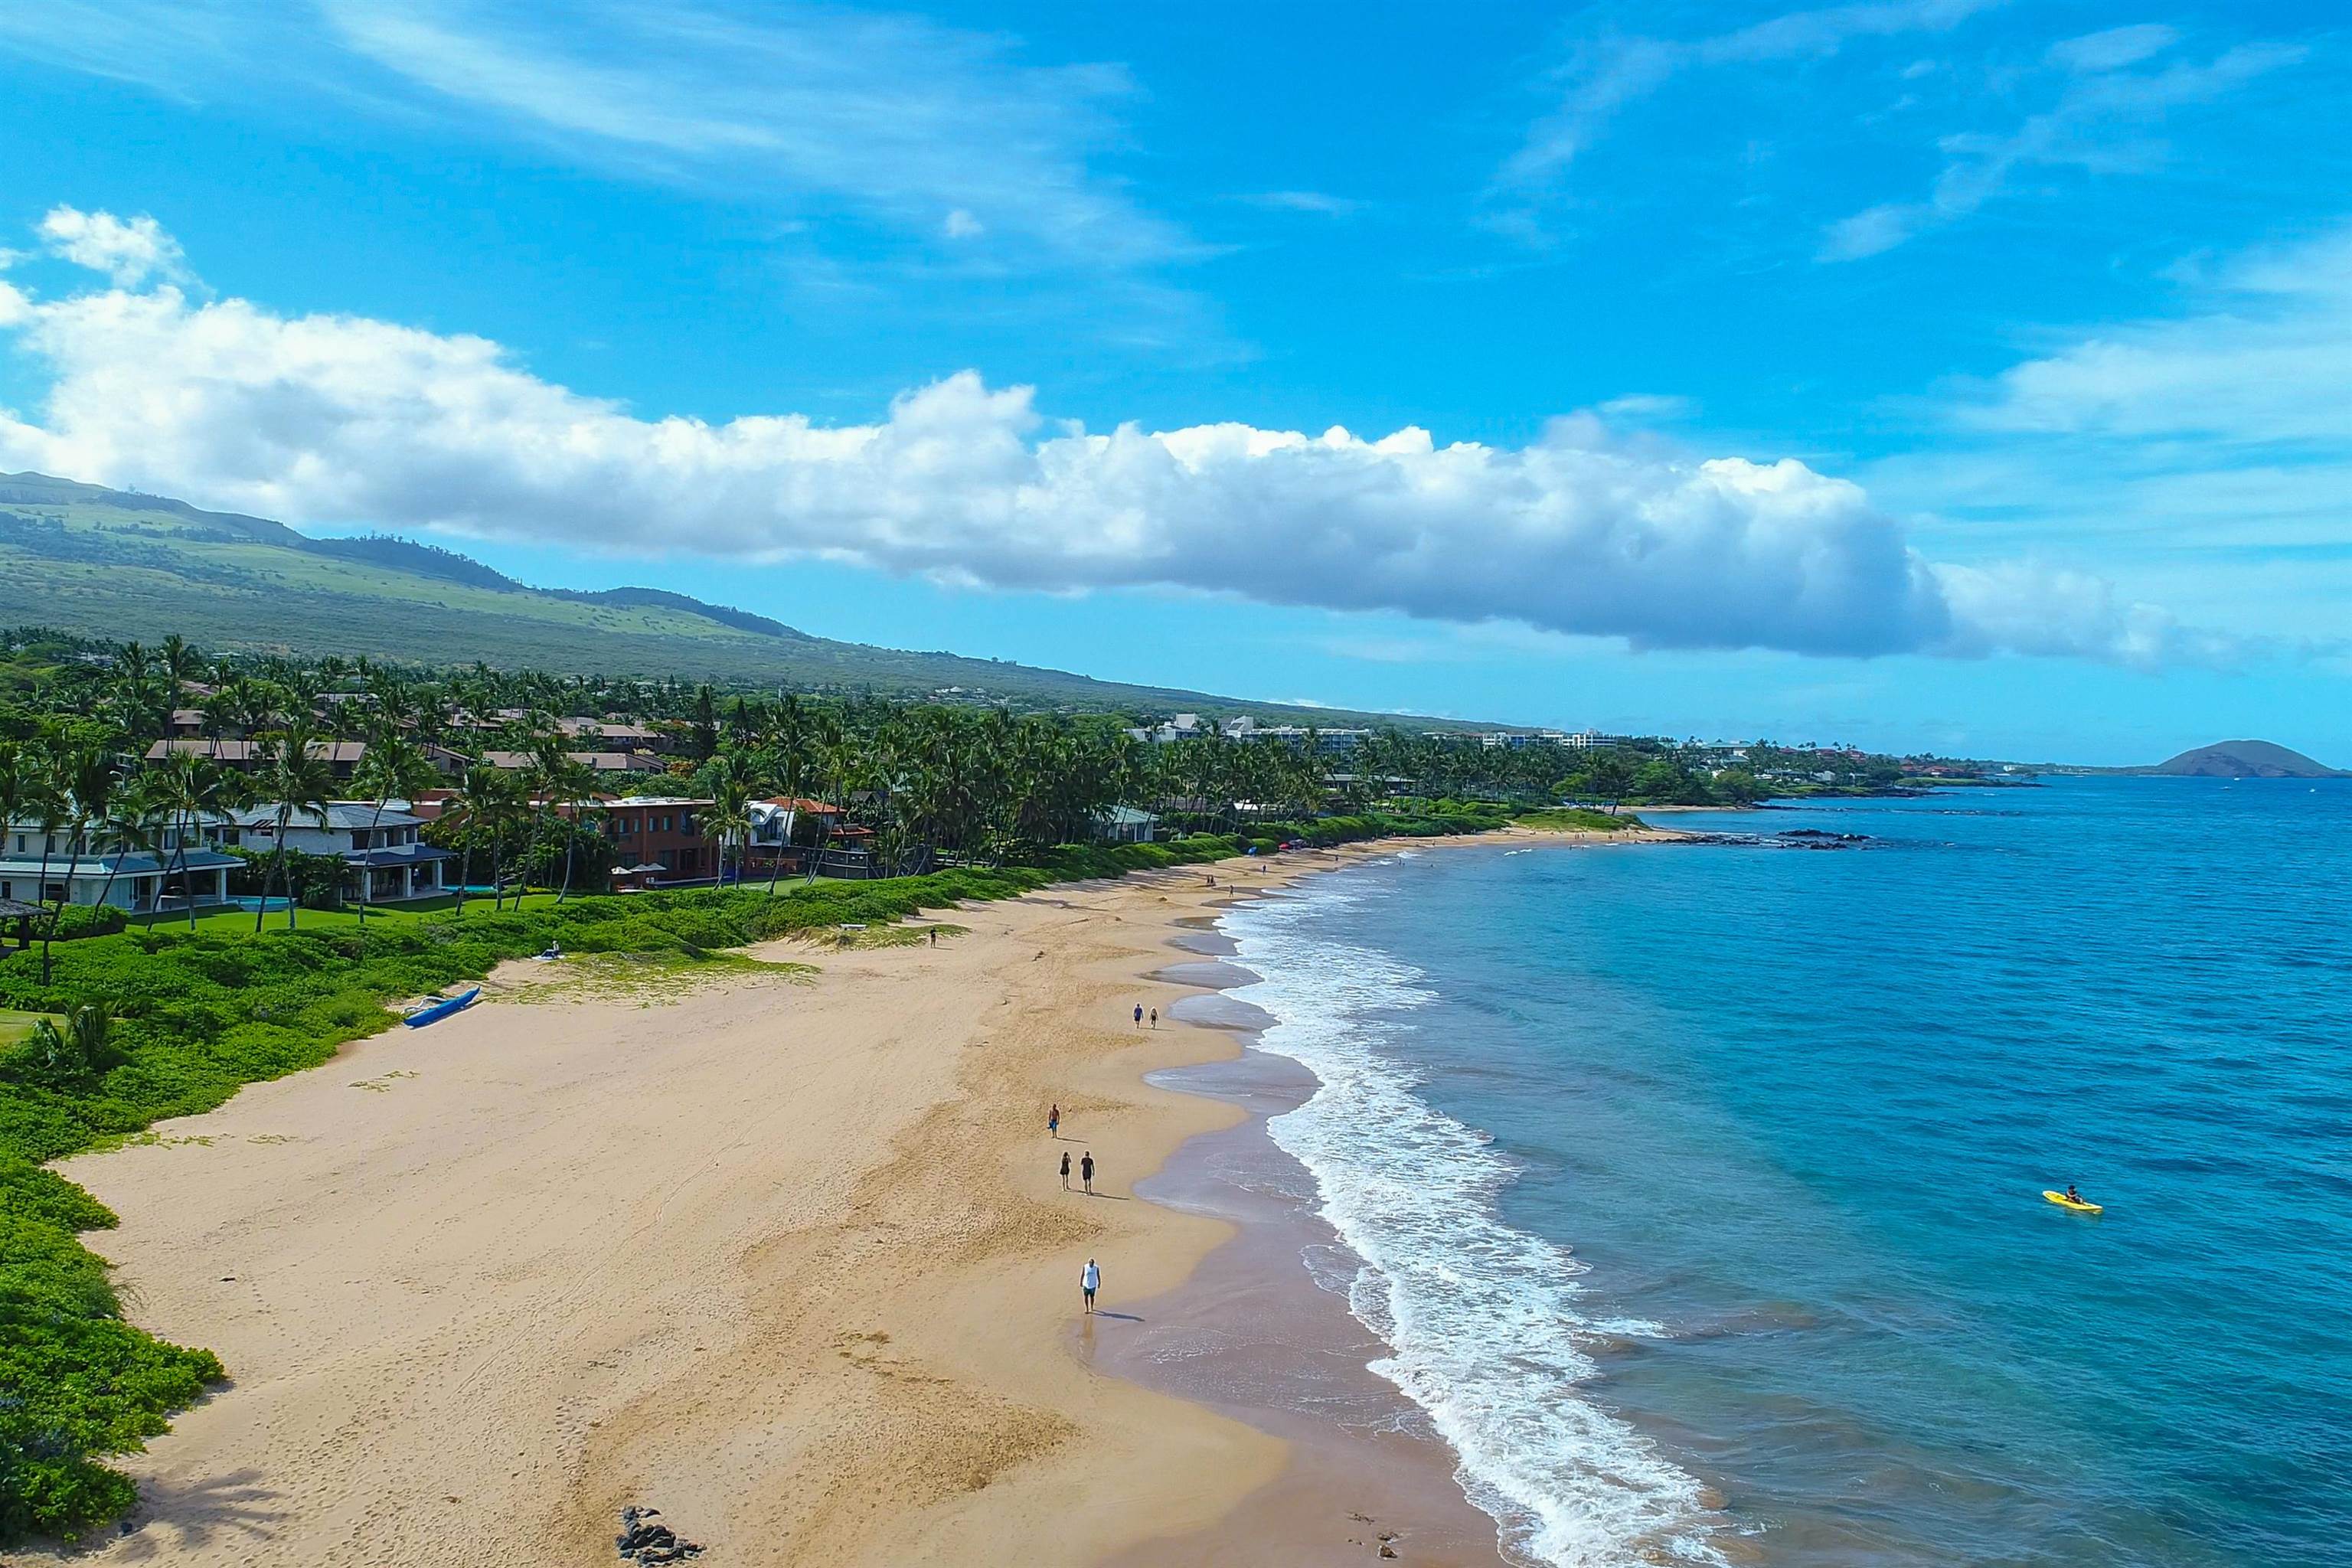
column 2072, row 1195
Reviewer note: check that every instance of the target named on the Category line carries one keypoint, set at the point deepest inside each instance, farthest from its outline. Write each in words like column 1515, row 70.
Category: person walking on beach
column 1090, row 1281
column 1087, row 1172
column 1054, row 1120
column 1138, row 1014
column 1155, row 1017
column 1066, row 1170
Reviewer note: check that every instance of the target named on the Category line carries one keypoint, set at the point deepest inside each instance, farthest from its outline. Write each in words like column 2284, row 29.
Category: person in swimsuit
column 1054, row 1120
column 1066, row 1170
column 1086, row 1170
column 1155, row 1017
column 1089, row 1281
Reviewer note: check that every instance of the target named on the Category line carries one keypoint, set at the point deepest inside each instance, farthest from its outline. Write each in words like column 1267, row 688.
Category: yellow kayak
column 2077, row 1204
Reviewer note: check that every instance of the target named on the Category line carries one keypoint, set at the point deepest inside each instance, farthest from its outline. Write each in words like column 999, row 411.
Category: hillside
column 113, row 563
column 2241, row 760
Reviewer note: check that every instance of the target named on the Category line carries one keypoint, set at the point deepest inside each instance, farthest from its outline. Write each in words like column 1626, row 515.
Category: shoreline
column 787, row 1261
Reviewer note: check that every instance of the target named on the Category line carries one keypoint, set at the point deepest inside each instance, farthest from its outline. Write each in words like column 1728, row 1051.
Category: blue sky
column 1917, row 372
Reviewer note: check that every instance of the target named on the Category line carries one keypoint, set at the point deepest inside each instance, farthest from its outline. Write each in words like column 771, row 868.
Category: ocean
column 1697, row 1188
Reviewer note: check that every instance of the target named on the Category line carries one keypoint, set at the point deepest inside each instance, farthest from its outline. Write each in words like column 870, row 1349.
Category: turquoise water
column 1699, row 1187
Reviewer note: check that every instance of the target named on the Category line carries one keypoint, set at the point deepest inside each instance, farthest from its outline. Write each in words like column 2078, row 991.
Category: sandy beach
column 787, row 1258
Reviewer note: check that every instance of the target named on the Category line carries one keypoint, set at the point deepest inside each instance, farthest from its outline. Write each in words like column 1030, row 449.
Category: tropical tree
column 486, row 806
column 180, row 662
column 83, row 780
column 190, row 788
column 295, row 777
column 132, row 824
column 557, row 779
column 728, row 779
column 394, row 767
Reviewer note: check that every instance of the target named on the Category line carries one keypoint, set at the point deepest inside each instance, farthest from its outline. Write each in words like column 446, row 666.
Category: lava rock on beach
column 645, row 1540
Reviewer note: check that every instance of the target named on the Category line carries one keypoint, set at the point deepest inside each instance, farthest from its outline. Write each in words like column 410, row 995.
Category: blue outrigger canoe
column 440, row 1010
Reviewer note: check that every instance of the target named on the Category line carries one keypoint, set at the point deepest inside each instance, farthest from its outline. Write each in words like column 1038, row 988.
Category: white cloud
column 1606, row 74
column 344, row 419
column 890, row 121
column 2205, row 453
column 2114, row 48
column 2106, row 119
column 961, row 225
column 1319, row 203
column 2262, row 362
column 127, row 252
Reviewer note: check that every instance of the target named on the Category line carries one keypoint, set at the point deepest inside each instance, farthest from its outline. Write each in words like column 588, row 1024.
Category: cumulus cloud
column 346, row 419
column 128, row 252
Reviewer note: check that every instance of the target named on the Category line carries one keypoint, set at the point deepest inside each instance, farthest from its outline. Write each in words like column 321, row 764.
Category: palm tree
column 132, row 824
column 43, row 803
column 486, row 803
column 296, row 776
column 82, row 781
column 728, row 780
column 556, row 779
column 394, row 767
column 191, row 788
column 181, row 662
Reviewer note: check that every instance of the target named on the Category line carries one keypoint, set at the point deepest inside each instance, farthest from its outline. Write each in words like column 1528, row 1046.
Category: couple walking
column 1086, row 1165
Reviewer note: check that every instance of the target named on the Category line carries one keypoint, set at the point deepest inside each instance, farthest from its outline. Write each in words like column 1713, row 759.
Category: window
column 359, row 838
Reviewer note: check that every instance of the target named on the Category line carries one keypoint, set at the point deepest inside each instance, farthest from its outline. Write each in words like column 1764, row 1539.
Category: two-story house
column 382, row 846
column 56, row 868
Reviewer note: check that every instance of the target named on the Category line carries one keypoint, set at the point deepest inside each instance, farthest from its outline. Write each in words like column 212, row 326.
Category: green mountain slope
column 113, row 563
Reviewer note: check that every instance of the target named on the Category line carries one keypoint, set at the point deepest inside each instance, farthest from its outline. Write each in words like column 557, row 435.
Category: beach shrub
column 78, row 920
column 76, row 1381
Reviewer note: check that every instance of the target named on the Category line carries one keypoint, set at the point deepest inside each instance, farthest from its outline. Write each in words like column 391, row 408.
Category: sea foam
column 1483, row 1319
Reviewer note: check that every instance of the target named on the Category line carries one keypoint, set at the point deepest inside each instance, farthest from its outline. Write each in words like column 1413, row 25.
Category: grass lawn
column 15, row 1027
column 229, row 921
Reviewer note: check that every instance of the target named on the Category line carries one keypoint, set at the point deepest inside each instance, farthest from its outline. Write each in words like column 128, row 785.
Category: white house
column 38, row 869
column 1125, row 825
column 380, row 846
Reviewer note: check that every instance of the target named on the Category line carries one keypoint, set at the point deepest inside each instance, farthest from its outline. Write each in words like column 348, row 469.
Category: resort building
column 341, row 757
column 595, row 761
column 382, row 848
column 100, row 867
column 656, row 840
